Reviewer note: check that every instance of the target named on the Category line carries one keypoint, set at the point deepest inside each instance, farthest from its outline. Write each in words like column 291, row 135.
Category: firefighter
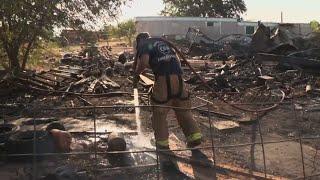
column 169, row 89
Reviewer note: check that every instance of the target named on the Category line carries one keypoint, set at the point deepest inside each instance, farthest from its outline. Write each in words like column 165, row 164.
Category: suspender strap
column 168, row 87
column 180, row 87
column 179, row 95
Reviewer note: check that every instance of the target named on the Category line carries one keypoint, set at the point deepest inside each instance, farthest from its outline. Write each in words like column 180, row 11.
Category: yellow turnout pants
column 185, row 118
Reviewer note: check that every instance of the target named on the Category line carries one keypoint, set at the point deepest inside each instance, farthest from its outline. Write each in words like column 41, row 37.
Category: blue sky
column 265, row 10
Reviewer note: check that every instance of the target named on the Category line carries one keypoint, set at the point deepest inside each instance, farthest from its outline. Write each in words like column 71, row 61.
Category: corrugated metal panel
column 164, row 18
column 232, row 28
column 158, row 26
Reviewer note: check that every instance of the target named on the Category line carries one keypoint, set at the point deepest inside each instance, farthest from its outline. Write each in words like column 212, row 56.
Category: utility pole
column 281, row 17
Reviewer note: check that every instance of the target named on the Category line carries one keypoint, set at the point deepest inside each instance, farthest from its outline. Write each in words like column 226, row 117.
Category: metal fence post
column 300, row 139
column 211, row 135
column 262, row 146
column 34, row 159
column 95, row 140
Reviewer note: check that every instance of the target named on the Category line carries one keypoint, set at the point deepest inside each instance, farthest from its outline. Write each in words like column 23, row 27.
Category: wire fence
column 156, row 151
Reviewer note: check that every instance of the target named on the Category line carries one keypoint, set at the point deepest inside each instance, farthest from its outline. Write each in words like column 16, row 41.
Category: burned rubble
column 274, row 57
column 91, row 74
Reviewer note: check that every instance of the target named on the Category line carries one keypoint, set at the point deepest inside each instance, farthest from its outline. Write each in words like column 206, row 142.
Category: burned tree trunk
column 26, row 54
column 14, row 64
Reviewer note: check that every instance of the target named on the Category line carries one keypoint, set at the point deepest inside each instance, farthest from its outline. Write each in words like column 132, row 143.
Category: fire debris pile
column 281, row 41
column 200, row 45
column 89, row 72
column 277, row 59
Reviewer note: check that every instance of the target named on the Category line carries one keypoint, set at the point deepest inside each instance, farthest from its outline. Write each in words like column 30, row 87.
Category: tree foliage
column 24, row 22
column 204, row 8
column 315, row 26
column 125, row 29
column 112, row 31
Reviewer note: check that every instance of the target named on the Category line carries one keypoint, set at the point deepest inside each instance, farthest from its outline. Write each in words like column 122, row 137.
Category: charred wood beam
column 67, row 90
column 10, row 106
column 61, row 75
column 72, row 73
column 93, row 85
column 146, row 80
column 33, row 83
column 108, row 82
column 47, row 78
column 86, row 102
column 73, row 68
column 52, row 85
column 289, row 60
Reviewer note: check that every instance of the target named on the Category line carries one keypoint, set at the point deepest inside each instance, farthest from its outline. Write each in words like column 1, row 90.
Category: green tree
column 315, row 26
column 112, row 31
column 89, row 37
column 126, row 29
column 204, row 8
column 3, row 58
column 24, row 22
